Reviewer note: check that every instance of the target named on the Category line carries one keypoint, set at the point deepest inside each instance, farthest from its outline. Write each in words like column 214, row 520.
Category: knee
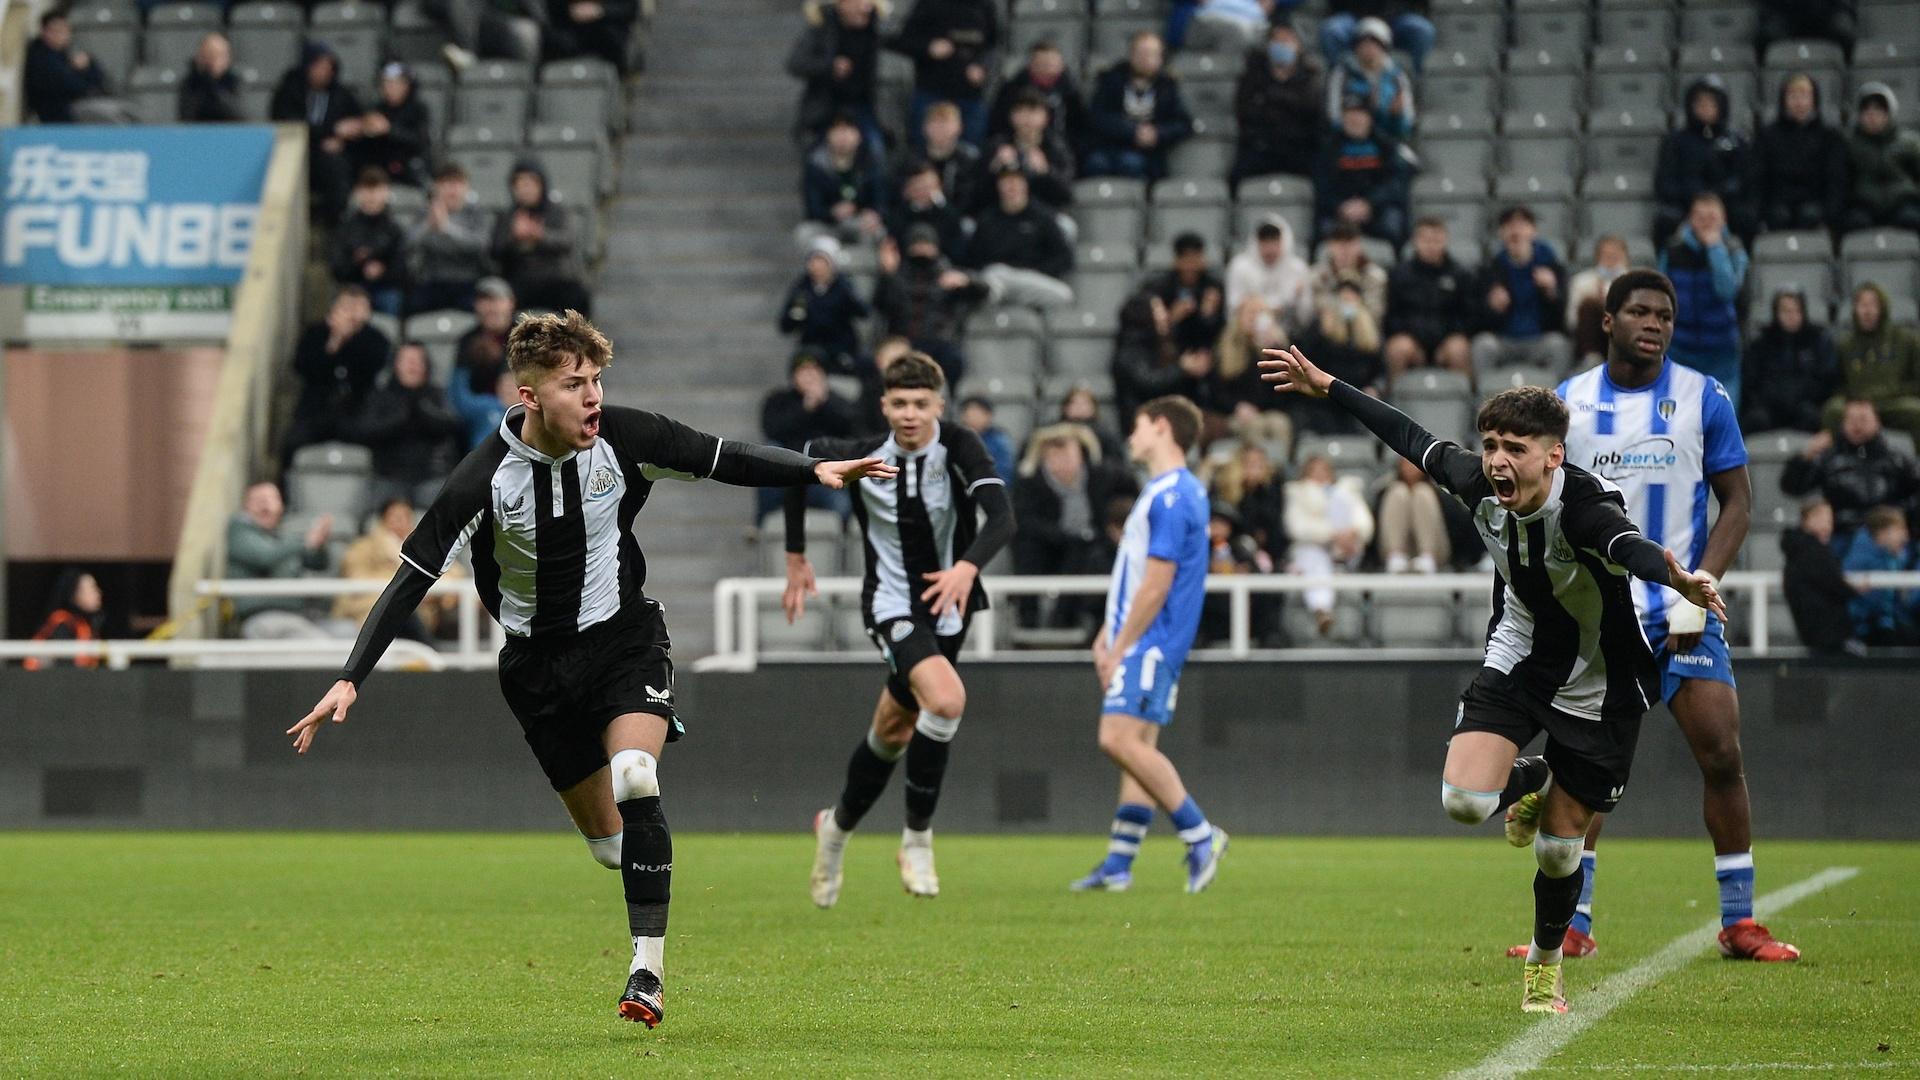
column 1113, row 743
column 606, row 849
column 1558, row 856
column 635, row 776
column 1468, row 807
column 939, row 726
column 947, row 701
column 1720, row 763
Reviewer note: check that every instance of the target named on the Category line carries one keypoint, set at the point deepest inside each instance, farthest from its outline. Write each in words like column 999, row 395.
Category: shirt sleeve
column 1600, row 524
column 665, row 449
column 1168, row 525
column 456, row 514
column 974, row 466
column 1724, row 448
column 1451, row 466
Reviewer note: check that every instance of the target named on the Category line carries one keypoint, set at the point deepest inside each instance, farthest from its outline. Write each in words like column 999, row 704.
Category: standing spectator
column 923, row 201
column 414, row 433
column 1406, row 20
column 74, row 615
column 63, row 86
column 1791, row 369
column 1328, row 529
column 1370, row 75
column 977, row 414
column 210, row 94
column 1587, row 299
column 1880, row 362
column 598, row 28
column 310, row 93
column 1413, row 528
column 921, row 297
column 952, row 45
column 1816, row 585
column 1018, row 248
column 1708, row 269
column 396, row 135
column 1703, row 154
column 1801, row 162
column 1342, row 259
column 1429, row 306
column 370, row 247
column 256, row 550
column 1855, row 472
column 823, row 308
column 838, row 57
column 536, row 246
column 1189, row 297
column 480, row 361
column 1046, row 72
column 1268, row 300
column 1883, row 617
column 1521, row 295
column 1136, row 115
column 841, row 186
column 1035, row 148
column 1278, row 103
column 1885, row 163
column 337, row 360
column 1147, row 363
column 447, row 250
column 798, row 413
column 1347, row 336
column 1059, row 493
column 1361, row 179
column 374, row 557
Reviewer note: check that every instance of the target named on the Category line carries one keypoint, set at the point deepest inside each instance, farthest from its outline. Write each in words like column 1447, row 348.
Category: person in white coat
column 1330, row 527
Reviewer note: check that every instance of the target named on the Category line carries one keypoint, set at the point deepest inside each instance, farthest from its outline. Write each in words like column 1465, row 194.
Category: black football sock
column 646, row 870
column 926, row 768
column 867, row 774
column 1553, row 902
column 1529, row 775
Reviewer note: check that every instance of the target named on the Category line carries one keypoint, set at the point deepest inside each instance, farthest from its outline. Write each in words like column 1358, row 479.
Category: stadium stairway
column 697, row 259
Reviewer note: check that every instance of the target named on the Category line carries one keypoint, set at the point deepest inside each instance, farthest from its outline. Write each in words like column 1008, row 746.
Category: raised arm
column 1601, row 525
column 669, row 450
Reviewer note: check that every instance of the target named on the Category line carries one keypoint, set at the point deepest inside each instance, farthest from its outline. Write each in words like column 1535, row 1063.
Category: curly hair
column 542, row 344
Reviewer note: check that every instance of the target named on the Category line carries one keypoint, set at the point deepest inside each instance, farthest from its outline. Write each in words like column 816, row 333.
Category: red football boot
column 1748, row 940
column 1577, row 946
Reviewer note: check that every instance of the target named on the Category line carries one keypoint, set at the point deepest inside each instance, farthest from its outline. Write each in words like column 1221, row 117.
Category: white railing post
column 986, row 626
column 1240, row 619
column 1762, row 636
column 469, row 613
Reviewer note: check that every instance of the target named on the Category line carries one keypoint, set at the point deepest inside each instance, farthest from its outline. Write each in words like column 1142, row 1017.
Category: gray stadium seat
column 997, row 357
column 355, row 30
column 582, row 92
column 1626, row 142
column 1879, row 243
column 1816, row 279
column 1468, row 221
column 1103, row 290
column 1109, row 191
column 1069, row 34
column 1120, row 226
column 1453, row 125
column 1561, row 92
column 1108, row 41
column 1210, row 96
column 1731, row 25
column 500, row 107
column 1472, row 33
column 1196, row 205
column 1461, row 160
column 488, row 156
column 110, row 34
column 1077, row 356
column 413, row 35
column 1507, row 378
column 1446, row 59
column 1447, row 419
column 1433, row 187
column 1201, row 158
column 1349, row 623
column 440, row 332
column 174, row 31
column 1102, row 257
column 1803, row 54
column 1898, row 275
column 1647, row 28
column 1630, row 91
column 1432, row 384
column 331, row 478
column 1007, row 323
column 266, row 35
column 1460, row 93
column 1559, row 31
column 1276, row 191
column 1798, row 246
column 1353, row 453
column 1524, row 123
column 577, row 158
column 1540, row 157
column 154, row 94
column 1614, row 58
column 1898, row 21
column 256, row 96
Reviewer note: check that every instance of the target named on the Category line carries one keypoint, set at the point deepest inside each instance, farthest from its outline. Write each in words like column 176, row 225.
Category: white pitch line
column 1531, row 1049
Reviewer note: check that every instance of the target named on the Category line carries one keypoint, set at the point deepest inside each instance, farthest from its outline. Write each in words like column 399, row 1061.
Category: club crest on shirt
column 600, row 483
column 1666, row 407
column 1562, row 551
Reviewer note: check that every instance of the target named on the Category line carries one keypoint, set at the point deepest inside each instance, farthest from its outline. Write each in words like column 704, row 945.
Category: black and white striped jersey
column 921, row 521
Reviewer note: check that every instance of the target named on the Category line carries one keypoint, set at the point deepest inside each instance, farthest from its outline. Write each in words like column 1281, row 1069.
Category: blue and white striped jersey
column 1168, row 521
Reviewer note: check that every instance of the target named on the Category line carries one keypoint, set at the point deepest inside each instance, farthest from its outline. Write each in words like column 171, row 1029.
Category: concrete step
column 644, row 177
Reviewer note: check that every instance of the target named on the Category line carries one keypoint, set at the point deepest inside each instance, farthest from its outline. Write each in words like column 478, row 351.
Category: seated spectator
column 1429, row 306
column 977, row 414
column 336, row 361
column 1884, row 162
column 1268, row 299
column 1703, row 154
column 1855, row 472
column 256, row 550
column 1217, row 25
column 922, row 298
column 1342, row 259
column 841, row 187
column 1278, row 104
column 1136, row 114
column 1371, row 76
column 1791, row 369
column 1879, row 361
column 1018, row 248
column 1413, row 527
column 210, row 94
column 1251, row 485
column 838, row 57
column 1344, row 342
column 956, row 160
column 1082, row 406
column 1189, row 298
column 823, row 308
column 1328, row 529
column 1147, row 363
column 1587, row 299
column 954, row 48
column 1231, row 549
column 1046, row 72
column 374, row 557
column 310, row 93
column 396, row 136
column 1708, row 269
column 1058, row 493
column 410, row 426
column 537, row 248
column 1883, row 617
column 480, row 361
column 1816, row 586
column 597, row 28
column 1801, row 163
column 74, row 615
column 62, row 84
column 1361, row 179
column 1035, row 148
column 1521, row 295
column 923, row 201
column 798, row 413
column 1406, row 22
column 476, row 28
column 447, row 250
column 370, row 247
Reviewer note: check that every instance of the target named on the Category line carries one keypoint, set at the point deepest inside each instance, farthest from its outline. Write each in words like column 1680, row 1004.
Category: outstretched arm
column 401, row 596
column 1601, row 525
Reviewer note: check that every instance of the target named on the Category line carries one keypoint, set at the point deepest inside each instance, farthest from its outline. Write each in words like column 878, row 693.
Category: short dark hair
column 915, row 371
column 843, row 119
column 54, row 16
column 1430, row 222
column 1642, row 278
column 1346, row 230
column 392, row 501
column 1187, row 243
column 1181, row 415
column 451, row 170
column 372, row 176
column 1884, row 517
column 1043, row 45
column 974, row 400
column 1520, row 212
column 1030, row 98
column 1524, row 410
column 1267, row 231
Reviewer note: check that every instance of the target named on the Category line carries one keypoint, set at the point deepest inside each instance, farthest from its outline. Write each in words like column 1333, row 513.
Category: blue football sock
column 1735, row 874
column 1130, row 824
column 1191, row 822
column 1583, row 911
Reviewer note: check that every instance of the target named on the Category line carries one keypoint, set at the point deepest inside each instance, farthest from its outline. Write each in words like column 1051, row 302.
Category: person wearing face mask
column 1345, row 340
column 1800, row 175
column 1277, row 104
column 1587, row 298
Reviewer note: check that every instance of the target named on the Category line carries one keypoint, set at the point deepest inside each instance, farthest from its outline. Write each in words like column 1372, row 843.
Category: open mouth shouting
column 1504, row 489
column 590, row 427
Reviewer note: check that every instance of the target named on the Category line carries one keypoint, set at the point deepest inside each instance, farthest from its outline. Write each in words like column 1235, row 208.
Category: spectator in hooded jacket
column 1800, row 174
column 447, row 249
column 310, row 93
column 1035, row 148
column 1703, row 154
column 537, row 247
column 1429, row 306
column 838, row 56
column 1883, row 617
column 922, row 200
column 923, row 298
column 396, row 135
column 1019, row 250
column 370, row 247
column 1880, row 362
column 598, row 28
column 1371, row 75
column 1791, row 369
column 1406, row 19
column 210, row 94
column 1587, row 299
column 1269, row 299
column 841, row 187
column 1522, row 293
column 74, row 615
column 336, row 362
column 1136, row 114
column 1361, row 179
column 414, row 433
column 1046, row 72
column 1815, row 584
column 823, row 308
column 1343, row 258
column 1885, row 163
column 953, row 45
column 1708, row 268
column 480, row 362
column 1278, row 104
column 63, row 85
column 1855, row 471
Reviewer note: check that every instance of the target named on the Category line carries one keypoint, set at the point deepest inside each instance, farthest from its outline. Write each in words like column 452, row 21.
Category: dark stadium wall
column 1352, row 748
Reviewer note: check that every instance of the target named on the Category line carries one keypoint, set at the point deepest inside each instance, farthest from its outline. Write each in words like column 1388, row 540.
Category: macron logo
column 1695, row 661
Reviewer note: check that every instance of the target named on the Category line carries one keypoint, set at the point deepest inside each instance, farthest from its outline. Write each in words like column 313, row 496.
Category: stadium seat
column 1199, row 158
column 173, row 33
column 1350, row 455
column 1109, row 191
column 154, row 94
column 256, row 96
column 1436, row 125
column 433, row 87
column 583, row 92
column 1472, row 33
column 1103, row 290
column 357, row 32
column 330, row 478
column 1651, row 29
column 1618, row 203
column 1430, row 188
column 488, row 156
column 1446, row 60
column 1080, row 356
column 1731, row 25
column 1068, row 34
column 1620, row 58
column 1272, row 192
column 1349, row 623
column 1533, row 158
column 1111, row 33
column 1898, row 275
column 440, row 330
column 1816, row 279
column 1797, row 246
column 577, row 158
column 1460, row 160
column 1561, row 91
column 1566, row 32
column 1629, row 91
column 266, row 36
column 110, row 34
column 824, row 533
column 1102, row 257
column 1432, row 384
column 501, row 108
column 1195, row 205
column 1110, row 226
column 1880, row 22
column 1460, row 93
column 1468, row 221
column 1507, row 378
column 1880, row 244
column 994, row 357
column 413, row 35
column 1626, row 142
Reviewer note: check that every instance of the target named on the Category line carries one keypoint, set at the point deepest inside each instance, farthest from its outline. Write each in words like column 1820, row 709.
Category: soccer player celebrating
column 1565, row 653
column 1664, row 434
column 924, row 550
column 548, row 504
column 1153, row 612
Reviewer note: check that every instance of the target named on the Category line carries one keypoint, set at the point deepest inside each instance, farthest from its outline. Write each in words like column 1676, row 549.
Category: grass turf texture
column 256, row 954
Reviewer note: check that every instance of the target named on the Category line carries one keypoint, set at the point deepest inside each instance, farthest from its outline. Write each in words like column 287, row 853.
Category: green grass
column 270, row 954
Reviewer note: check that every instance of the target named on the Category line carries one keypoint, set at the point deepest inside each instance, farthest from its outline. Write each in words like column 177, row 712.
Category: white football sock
column 647, row 953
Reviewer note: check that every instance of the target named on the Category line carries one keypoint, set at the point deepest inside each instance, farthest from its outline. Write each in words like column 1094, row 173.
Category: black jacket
column 1855, row 479
column 1146, row 365
column 53, row 84
column 1283, row 118
column 827, row 320
column 415, row 434
column 1372, row 169
column 945, row 218
column 360, row 239
column 913, row 305
column 207, row 100
column 785, row 419
column 1196, row 331
column 824, row 186
column 811, row 60
column 973, row 26
column 1053, row 187
column 1037, row 508
column 1695, row 158
column 320, row 110
column 1030, row 240
column 1798, row 165
column 1789, row 377
column 1429, row 302
column 335, row 384
column 402, row 152
column 1817, row 592
column 1111, row 127
column 1064, row 97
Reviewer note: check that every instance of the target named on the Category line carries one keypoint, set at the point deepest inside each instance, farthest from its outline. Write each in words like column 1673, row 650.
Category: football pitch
column 266, row 954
